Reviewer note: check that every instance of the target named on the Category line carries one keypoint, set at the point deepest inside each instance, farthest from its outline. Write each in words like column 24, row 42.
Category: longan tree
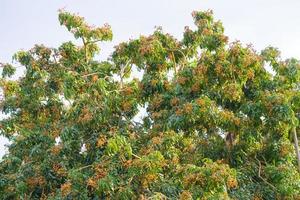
column 219, row 123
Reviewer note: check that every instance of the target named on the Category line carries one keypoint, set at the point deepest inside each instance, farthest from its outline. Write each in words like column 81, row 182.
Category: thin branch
column 175, row 65
column 85, row 50
column 91, row 74
column 84, row 167
column 126, row 72
column 136, row 156
column 296, row 144
column 178, row 50
column 121, row 74
column 259, row 175
column 94, row 41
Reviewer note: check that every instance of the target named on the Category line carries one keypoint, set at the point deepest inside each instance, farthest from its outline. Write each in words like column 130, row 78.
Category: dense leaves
column 219, row 121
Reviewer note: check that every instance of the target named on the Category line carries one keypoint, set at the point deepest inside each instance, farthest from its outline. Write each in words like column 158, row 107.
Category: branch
column 122, row 73
column 136, row 156
column 259, row 175
column 84, row 167
column 173, row 56
column 184, row 56
column 85, row 50
column 296, row 144
column 94, row 41
column 91, row 74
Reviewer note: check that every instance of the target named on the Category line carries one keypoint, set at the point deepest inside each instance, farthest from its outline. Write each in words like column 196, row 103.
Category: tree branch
column 259, row 175
column 296, row 144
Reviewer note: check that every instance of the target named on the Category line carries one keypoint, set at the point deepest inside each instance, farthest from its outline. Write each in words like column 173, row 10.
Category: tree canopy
column 221, row 119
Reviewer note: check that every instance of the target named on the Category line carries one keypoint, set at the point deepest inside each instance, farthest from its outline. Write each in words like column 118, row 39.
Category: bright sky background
column 24, row 23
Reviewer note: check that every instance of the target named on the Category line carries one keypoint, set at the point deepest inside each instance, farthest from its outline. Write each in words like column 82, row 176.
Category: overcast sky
column 24, row 23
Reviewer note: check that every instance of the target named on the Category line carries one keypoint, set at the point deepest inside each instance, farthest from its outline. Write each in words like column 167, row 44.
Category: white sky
column 24, row 23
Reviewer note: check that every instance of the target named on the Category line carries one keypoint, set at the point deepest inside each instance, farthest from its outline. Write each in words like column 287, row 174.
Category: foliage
column 217, row 126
